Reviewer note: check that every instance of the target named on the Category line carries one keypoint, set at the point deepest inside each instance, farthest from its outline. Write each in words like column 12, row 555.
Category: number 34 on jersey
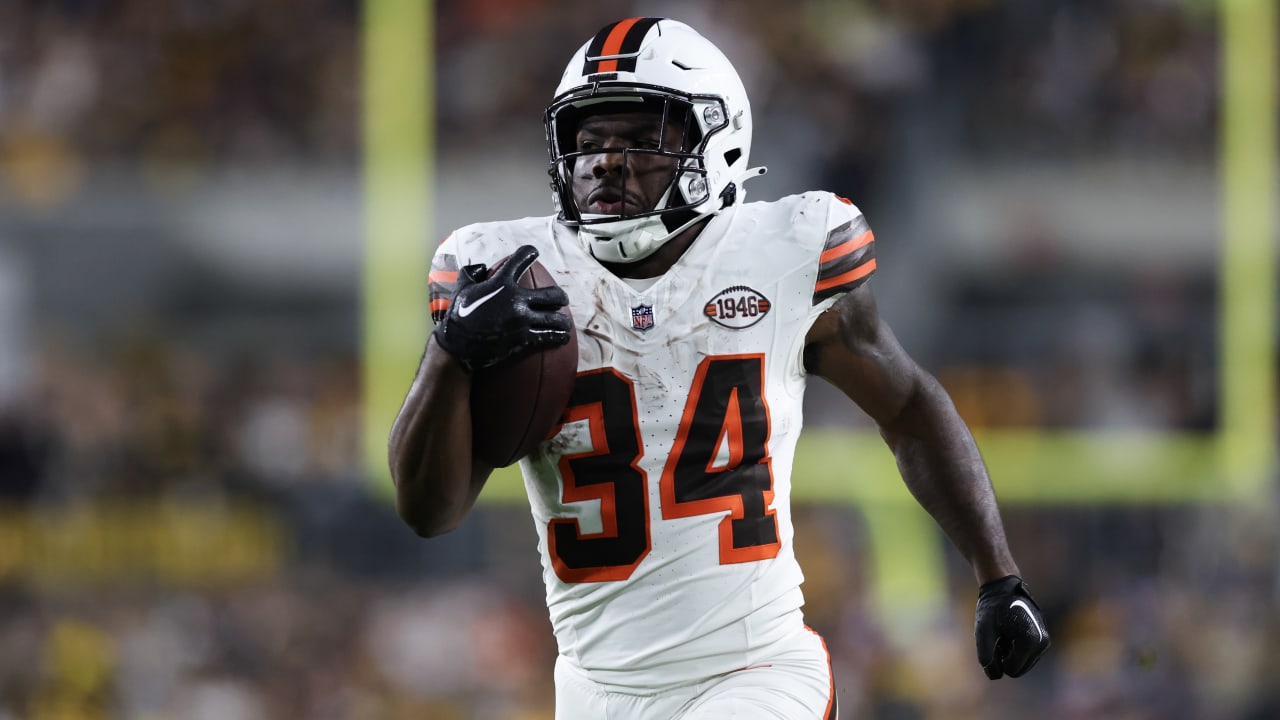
column 718, row 462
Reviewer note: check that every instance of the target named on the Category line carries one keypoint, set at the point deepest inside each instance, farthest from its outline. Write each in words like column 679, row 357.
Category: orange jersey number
column 719, row 463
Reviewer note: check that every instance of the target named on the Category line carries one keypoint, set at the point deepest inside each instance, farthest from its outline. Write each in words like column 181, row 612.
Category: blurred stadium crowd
column 187, row 529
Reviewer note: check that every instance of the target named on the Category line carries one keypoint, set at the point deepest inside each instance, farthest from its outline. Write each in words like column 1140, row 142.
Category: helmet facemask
column 665, row 67
column 675, row 149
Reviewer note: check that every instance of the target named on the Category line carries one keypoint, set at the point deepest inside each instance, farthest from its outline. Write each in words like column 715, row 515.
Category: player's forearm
column 944, row 470
column 430, row 448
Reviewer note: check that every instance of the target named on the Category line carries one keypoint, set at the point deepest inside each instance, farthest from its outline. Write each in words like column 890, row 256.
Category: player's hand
column 492, row 318
column 1009, row 628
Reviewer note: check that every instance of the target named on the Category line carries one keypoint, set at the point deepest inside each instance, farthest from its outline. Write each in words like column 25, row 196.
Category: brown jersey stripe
column 440, row 302
column 857, row 273
column 441, row 290
column 845, row 263
column 841, row 284
column 848, row 257
column 843, row 233
column 846, row 247
column 620, row 38
column 442, row 281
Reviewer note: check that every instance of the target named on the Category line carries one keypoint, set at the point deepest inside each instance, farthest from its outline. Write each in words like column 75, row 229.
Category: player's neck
column 662, row 260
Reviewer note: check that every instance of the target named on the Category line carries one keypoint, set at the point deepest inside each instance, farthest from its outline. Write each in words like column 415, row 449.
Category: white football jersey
column 662, row 503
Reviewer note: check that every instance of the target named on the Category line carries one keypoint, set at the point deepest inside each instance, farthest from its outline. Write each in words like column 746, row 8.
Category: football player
column 662, row 503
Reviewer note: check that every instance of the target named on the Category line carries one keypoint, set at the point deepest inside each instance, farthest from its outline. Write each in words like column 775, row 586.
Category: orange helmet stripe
column 613, row 44
column 621, row 38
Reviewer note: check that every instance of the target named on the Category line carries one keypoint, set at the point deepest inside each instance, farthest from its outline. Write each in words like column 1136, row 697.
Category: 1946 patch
column 737, row 307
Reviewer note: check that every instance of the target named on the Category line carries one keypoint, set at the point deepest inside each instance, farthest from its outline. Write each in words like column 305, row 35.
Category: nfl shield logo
column 642, row 317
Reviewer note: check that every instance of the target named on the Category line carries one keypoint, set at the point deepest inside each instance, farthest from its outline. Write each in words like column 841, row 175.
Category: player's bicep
column 854, row 349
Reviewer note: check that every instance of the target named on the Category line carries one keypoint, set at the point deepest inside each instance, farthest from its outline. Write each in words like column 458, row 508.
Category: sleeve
column 443, row 278
column 849, row 253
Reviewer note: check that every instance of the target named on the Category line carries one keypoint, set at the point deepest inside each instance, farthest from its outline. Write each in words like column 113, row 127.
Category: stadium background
column 214, row 219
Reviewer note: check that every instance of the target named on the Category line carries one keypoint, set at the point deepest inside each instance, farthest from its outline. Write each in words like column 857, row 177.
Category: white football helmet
column 666, row 66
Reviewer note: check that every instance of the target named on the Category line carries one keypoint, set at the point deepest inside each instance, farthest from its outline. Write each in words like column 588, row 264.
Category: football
column 517, row 403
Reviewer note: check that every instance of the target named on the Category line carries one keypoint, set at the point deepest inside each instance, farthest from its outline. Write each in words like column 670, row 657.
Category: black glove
column 492, row 318
column 1009, row 628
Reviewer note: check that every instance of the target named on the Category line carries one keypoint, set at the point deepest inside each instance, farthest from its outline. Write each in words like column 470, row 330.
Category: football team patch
column 642, row 317
column 737, row 307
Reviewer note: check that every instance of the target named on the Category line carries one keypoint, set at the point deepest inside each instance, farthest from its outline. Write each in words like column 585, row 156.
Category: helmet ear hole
column 731, row 156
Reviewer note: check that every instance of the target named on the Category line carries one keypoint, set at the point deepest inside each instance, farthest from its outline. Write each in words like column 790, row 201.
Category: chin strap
column 632, row 240
column 626, row 241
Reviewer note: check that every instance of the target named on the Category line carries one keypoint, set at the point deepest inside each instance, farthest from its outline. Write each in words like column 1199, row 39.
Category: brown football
column 516, row 404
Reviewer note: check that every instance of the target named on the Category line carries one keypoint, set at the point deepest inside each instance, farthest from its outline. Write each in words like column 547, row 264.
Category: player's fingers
column 548, row 298
column 1026, row 664
column 993, row 665
column 1023, row 657
column 541, row 338
column 986, row 642
column 551, row 320
column 519, row 261
column 1015, row 658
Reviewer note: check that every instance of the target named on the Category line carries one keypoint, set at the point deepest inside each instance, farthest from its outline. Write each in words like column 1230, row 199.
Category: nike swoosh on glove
column 492, row 318
column 1009, row 628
